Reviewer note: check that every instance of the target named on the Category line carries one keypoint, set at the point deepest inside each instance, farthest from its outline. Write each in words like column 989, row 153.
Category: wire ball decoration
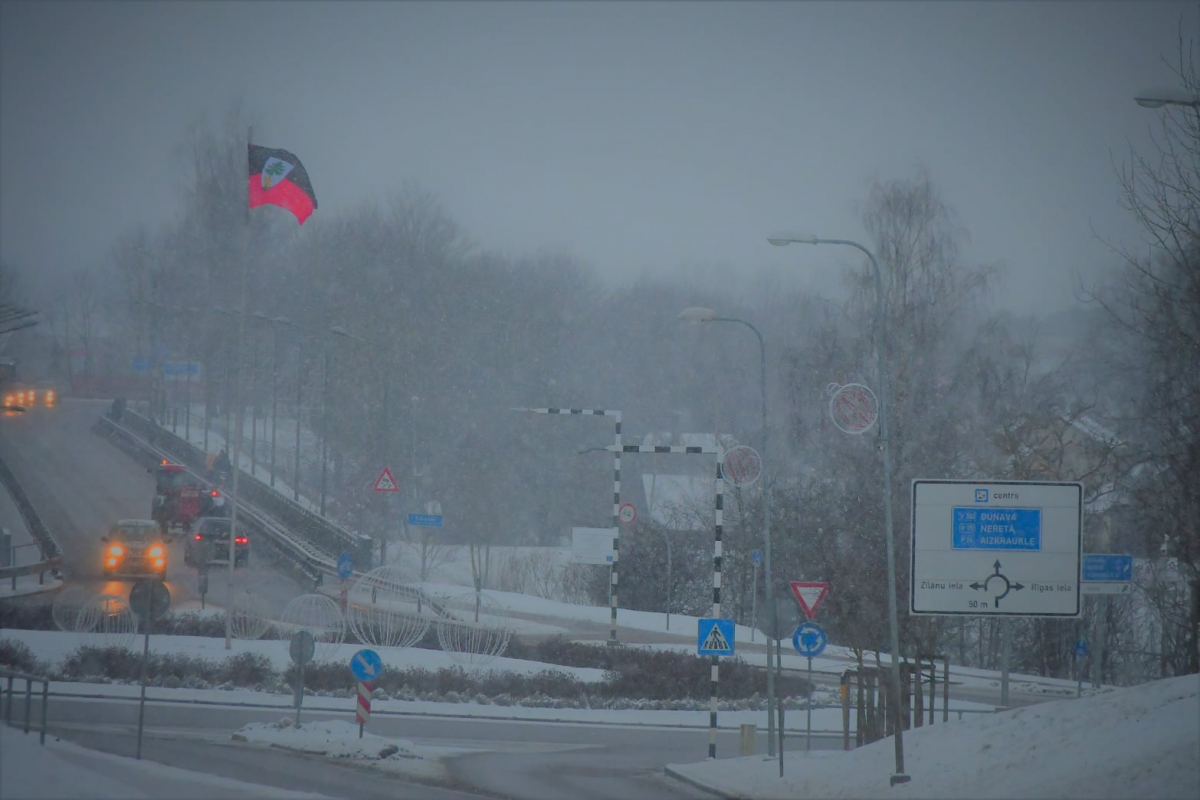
column 475, row 628
column 249, row 617
column 67, row 606
column 319, row 615
column 107, row 621
column 387, row 608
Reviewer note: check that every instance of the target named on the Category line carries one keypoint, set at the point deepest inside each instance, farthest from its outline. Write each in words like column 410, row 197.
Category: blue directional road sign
column 715, row 637
column 345, row 566
column 1107, row 567
column 1081, row 648
column 978, row 528
column 756, row 556
column 810, row 639
column 366, row 665
column 140, row 364
column 425, row 520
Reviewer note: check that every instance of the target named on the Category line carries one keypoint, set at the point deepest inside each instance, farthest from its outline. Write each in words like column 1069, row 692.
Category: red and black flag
column 278, row 178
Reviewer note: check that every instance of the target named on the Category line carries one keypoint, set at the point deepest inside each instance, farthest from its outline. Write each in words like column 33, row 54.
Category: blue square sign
column 715, row 637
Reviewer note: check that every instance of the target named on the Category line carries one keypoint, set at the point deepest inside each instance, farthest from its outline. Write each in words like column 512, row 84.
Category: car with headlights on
column 134, row 548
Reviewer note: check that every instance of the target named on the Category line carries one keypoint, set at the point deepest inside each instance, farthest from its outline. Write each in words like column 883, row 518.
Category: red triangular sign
column 809, row 595
column 385, row 482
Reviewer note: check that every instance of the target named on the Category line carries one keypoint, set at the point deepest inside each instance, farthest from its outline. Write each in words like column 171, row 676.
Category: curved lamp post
column 782, row 240
column 700, row 314
column 1156, row 98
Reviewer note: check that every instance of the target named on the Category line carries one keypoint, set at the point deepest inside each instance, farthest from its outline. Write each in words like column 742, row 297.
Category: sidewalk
column 26, row 552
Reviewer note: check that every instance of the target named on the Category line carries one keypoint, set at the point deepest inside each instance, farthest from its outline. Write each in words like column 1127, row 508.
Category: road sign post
column 362, row 708
column 150, row 599
column 301, row 648
column 756, row 557
column 809, row 641
column 366, row 665
column 996, row 548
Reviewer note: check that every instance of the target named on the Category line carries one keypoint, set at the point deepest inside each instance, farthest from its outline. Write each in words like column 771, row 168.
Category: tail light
column 198, row 537
column 215, row 493
column 241, row 540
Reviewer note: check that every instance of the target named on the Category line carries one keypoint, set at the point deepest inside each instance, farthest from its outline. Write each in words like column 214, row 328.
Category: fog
column 661, row 139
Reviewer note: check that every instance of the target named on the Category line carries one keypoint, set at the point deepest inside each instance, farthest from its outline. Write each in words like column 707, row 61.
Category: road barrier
column 10, row 676
column 51, row 559
column 326, row 536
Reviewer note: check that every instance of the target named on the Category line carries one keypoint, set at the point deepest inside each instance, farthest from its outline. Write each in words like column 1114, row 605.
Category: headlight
column 112, row 562
column 158, row 562
column 156, row 551
column 116, row 550
column 9, row 399
column 32, row 397
column 49, row 397
column 20, row 398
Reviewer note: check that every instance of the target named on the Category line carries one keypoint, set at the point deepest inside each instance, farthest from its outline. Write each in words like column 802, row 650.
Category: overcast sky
column 639, row 137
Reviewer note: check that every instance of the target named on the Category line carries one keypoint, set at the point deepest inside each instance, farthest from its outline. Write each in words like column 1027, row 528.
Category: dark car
column 208, row 541
column 134, row 547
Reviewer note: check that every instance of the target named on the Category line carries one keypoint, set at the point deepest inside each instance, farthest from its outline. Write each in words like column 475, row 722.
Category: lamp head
column 783, row 239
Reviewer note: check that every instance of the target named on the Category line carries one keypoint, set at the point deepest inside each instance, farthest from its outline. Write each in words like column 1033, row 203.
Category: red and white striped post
column 363, row 709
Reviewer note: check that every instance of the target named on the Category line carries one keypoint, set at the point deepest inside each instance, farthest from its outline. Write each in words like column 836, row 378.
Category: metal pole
column 808, row 732
column 254, row 404
column 296, row 455
column 237, row 440
column 754, row 604
column 1005, row 655
column 778, row 702
column 667, row 539
column 324, row 427
column 187, row 402
column 274, row 398
column 145, row 658
column 28, row 702
column 45, row 702
column 881, row 378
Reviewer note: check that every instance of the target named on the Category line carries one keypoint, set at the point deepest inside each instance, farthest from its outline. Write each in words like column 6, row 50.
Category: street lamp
column 700, row 314
column 782, row 240
column 1156, row 98
column 275, row 323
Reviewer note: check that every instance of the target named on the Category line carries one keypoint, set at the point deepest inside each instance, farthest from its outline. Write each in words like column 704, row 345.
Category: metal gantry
column 616, row 522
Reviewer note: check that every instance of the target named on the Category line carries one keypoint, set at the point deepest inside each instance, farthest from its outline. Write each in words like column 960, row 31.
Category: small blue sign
column 997, row 528
column 810, row 639
column 981, row 495
column 715, row 637
column 1081, row 648
column 140, row 364
column 1107, row 567
column 425, row 520
column 756, row 556
column 366, row 665
column 345, row 566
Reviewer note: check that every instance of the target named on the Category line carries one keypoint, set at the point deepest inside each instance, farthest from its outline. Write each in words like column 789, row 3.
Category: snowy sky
column 638, row 136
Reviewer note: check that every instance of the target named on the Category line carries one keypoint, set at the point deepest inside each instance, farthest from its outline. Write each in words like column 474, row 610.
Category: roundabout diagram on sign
column 1012, row 586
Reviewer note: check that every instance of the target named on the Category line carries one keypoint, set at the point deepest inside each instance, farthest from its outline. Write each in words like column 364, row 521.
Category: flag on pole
column 278, row 178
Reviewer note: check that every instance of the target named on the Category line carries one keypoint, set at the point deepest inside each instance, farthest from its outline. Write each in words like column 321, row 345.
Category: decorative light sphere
column 249, row 616
column 67, row 605
column 386, row 607
column 319, row 615
column 107, row 621
column 474, row 629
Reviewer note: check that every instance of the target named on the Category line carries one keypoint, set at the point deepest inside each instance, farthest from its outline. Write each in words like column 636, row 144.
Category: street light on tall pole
column 700, row 314
column 275, row 323
column 782, row 240
column 1156, row 98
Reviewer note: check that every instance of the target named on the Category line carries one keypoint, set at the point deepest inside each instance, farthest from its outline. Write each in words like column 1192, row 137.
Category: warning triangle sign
column 715, row 640
column 809, row 595
column 385, row 482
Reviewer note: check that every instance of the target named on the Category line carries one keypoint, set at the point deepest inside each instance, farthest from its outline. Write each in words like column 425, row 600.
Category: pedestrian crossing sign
column 715, row 637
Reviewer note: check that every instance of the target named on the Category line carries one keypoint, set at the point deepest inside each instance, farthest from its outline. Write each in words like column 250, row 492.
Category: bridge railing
column 318, row 532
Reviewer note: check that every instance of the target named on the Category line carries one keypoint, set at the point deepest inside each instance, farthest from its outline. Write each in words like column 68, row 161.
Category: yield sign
column 809, row 595
column 385, row 482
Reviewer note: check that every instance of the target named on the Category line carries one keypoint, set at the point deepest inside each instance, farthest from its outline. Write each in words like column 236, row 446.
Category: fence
column 10, row 676
column 871, row 687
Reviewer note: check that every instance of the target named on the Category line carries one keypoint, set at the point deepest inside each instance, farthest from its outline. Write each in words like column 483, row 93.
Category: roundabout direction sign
column 810, row 639
column 996, row 548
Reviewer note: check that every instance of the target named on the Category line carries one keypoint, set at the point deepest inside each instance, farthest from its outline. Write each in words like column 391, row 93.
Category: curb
column 695, row 784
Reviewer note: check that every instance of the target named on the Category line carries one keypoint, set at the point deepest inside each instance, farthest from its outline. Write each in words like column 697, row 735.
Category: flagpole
column 239, row 427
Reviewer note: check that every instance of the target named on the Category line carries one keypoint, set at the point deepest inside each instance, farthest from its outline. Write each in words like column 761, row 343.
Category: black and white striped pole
column 718, row 512
column 616, row 521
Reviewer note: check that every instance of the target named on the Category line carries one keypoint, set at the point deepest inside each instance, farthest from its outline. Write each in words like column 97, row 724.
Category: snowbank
column 1123, row 743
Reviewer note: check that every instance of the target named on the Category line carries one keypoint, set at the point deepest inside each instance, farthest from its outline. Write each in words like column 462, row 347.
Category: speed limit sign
column 627, row 513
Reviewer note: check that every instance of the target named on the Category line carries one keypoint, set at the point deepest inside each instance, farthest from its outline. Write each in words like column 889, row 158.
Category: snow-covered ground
column 1141, row 742
column 341, row 741
column 60, row 769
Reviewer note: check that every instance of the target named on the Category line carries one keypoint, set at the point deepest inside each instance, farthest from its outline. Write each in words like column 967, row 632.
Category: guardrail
column 311, row 562
column 10, row 676
column 33, row 522
column 326, row 536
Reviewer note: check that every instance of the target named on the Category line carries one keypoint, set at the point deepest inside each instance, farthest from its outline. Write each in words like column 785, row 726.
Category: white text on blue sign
column 997, row 528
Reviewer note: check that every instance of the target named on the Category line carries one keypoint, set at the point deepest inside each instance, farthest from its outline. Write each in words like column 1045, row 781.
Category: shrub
column 16, row 655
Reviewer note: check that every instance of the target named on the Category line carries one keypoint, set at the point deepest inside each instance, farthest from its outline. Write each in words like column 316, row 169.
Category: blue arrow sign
column 756, row 556
column 425, row 520
column 1107, row 567
column 366, row 665
column 345, row 566
column 810, row 639
column 715, row 637
column 1081, row 648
